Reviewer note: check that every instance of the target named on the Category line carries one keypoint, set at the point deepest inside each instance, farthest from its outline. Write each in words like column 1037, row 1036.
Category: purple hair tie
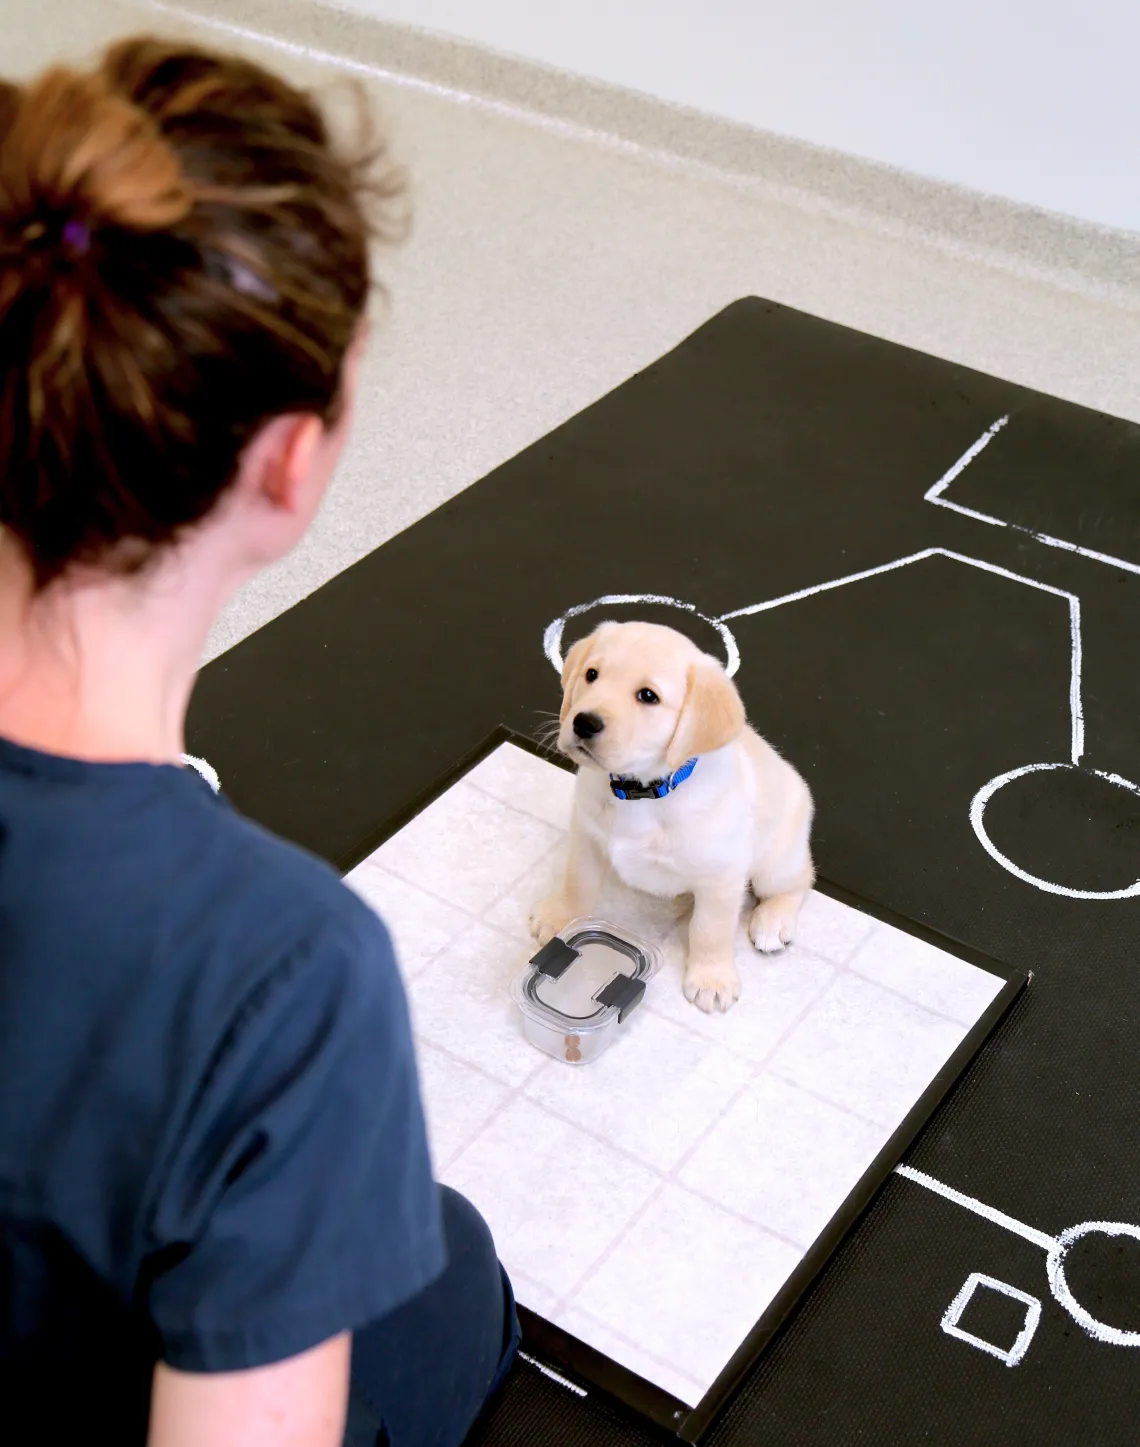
column 77, row 237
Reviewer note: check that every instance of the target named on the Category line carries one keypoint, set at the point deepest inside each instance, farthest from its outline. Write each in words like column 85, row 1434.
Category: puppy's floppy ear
column 711, row 716
column 573, row 665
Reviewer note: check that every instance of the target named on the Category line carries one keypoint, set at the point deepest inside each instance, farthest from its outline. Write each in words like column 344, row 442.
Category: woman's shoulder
column 132, row 865
column 261, row 884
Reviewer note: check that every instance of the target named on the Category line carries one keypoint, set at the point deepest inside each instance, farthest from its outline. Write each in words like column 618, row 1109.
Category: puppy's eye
column 646, row 695
column 591, row 674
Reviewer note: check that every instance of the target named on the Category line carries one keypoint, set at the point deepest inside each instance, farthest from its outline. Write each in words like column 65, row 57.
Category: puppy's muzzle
column 587, row 725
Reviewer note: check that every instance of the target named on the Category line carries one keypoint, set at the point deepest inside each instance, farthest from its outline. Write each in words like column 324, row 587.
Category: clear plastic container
column 580, row 990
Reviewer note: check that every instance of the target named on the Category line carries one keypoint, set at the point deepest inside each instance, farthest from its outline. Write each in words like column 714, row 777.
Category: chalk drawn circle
column 977, row 818
column 206, row 769
column 1059, row 1286
column 552, row 637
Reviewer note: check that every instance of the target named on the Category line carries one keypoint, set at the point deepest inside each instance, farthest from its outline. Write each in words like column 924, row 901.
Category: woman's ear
column 571, row 668
column 711, row 716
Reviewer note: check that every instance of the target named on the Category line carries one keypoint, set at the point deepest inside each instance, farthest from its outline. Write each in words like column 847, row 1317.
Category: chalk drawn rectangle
column 654, row 1174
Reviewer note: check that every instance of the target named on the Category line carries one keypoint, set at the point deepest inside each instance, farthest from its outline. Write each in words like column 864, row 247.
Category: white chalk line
column 554, row 1376
column 977, row 818
column 964, row 461
column 552, row 635
column 979, row 1208
column 207, row 771
column 954, row 1312
column 934, row 495
column 1076, row 710
column 1059, row 1286
column 1055, row 1247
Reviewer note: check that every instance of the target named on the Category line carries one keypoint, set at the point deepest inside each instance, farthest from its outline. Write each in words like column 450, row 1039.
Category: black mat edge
column 590, row 1368
column 627, row 1390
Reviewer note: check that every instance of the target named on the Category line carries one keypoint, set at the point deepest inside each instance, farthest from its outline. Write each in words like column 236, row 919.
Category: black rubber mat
column 770, row 454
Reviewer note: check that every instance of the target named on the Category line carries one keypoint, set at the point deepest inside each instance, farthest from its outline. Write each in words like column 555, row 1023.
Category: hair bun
column 74, row 149
column 228, row 274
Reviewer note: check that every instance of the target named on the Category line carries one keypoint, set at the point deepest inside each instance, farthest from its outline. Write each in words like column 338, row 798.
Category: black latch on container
column 623, row 991
column 555, row 958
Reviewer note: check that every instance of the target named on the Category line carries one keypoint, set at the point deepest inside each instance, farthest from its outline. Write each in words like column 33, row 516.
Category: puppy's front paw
column 772, row 925
column 548, row 919
column 712, row 985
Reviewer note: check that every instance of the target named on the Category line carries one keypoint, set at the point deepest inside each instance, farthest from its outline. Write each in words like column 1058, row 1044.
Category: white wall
column 1035, row 100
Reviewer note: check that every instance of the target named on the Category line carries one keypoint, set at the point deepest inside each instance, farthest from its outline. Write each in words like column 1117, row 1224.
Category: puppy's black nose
column 586, row 725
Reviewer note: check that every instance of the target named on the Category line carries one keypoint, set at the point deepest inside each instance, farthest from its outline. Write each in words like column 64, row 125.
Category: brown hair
column 183, row 256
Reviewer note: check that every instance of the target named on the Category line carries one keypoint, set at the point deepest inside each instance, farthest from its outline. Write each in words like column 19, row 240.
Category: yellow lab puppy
column 640, row 704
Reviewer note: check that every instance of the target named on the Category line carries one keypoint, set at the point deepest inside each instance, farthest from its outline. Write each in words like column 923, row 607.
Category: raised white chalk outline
column 935, row 495
column 553, row 1375
column 207, row 770
column 552, row 647
column 1055, row 1247
column 977, row 819
column 1076, row 711
column 552, row 636
column 962, row 1300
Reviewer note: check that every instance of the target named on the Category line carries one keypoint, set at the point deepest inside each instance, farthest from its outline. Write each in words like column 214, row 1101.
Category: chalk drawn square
column 1011, row 1355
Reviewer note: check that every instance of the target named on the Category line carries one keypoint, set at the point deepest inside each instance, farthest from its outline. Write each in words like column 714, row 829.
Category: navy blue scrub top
column 212, row 1148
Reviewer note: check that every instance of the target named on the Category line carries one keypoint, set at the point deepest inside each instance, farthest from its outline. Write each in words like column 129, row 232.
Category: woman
column 214, row 1179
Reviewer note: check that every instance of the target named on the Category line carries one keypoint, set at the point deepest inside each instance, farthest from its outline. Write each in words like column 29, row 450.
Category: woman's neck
column 101, row 667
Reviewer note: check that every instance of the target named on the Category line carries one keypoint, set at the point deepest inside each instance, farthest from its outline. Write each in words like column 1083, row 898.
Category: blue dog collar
column 655, row 789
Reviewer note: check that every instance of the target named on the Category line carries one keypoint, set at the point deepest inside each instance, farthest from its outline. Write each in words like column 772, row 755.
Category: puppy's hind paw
column 772, row 925
column 712, row 985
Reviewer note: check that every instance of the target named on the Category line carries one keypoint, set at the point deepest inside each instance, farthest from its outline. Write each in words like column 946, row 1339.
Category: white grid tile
column 689, row 1282
column 517, row 778
column 461, row 1003
column 558, row 1196
column 778, row 990
column 928, row 976
column 458, row 1099
column 421, row 924
column 467, row 847
column 783, row 1158
column 655, row 1097
column 868, row 1049
column 653, row 1202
